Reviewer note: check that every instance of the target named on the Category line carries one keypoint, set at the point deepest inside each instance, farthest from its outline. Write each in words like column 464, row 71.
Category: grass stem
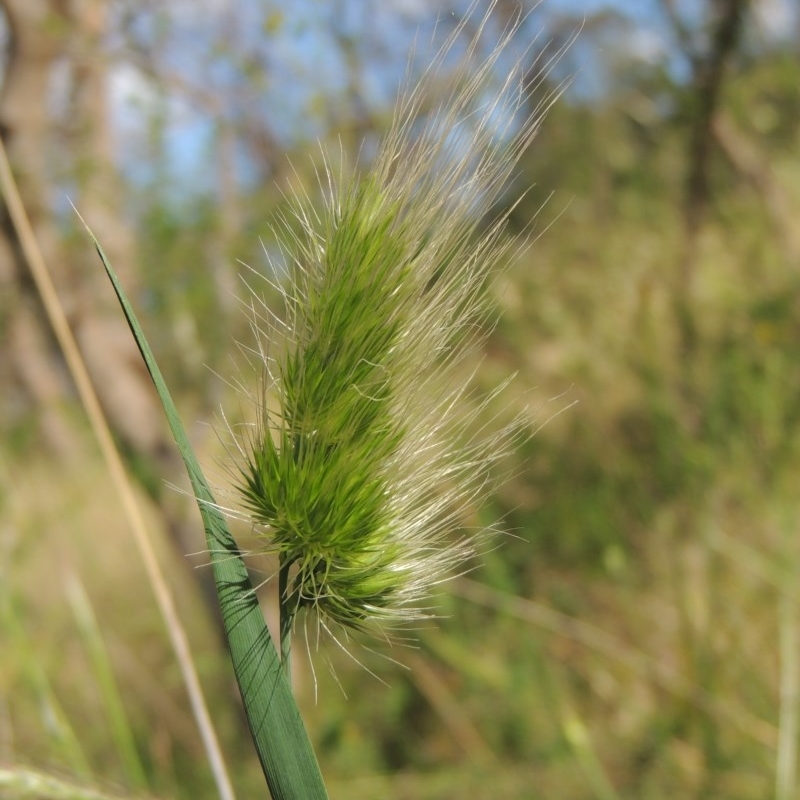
column 102, row 432
column 286, row 615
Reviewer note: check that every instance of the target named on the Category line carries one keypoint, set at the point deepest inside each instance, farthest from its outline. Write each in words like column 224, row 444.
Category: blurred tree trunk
column 726, row 18
column 45, row 35
column 29, row 372
column 111, row 355
column 752, row 165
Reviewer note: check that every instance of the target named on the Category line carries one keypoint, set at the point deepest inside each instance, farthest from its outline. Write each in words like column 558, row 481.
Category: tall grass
column 637, row 638
column 368, row 442
column 357, row 481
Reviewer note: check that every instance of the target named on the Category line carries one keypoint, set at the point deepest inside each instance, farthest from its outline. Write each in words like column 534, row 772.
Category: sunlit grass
column 646, row 596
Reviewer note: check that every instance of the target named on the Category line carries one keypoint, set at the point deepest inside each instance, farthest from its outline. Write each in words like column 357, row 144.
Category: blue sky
column 301, row 79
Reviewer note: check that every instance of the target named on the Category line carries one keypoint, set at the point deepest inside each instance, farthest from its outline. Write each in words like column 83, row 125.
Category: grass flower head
column 365, row 454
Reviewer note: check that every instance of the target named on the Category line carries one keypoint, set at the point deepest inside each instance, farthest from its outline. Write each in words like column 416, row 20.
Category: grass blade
column 281, row 741
column 122, row 733
column 22, row 783
column 97, row 420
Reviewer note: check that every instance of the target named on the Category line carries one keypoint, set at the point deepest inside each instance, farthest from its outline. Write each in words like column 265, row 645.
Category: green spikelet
column 358, row 476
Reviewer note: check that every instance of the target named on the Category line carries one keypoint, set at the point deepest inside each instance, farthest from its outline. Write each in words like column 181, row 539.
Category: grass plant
column 358, row 480
column 648, row 601
column 368, row 444
column 30, row 784
column 104, row 679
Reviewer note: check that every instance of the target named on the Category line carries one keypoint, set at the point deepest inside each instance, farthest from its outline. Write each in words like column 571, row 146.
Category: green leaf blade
column 284, row 749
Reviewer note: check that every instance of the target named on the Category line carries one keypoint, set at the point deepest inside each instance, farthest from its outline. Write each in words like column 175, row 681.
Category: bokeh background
column 636, row 635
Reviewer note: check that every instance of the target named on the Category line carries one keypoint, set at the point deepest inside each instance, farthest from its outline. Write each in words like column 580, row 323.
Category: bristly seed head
column 358, row 476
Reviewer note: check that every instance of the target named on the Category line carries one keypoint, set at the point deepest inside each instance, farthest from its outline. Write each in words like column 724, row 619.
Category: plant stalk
column 286, row 614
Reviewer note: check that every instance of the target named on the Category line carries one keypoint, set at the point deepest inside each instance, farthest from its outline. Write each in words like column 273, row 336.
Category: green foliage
column 657, row 516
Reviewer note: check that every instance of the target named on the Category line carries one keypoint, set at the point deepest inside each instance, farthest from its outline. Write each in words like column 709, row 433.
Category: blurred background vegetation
column 637, row 636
